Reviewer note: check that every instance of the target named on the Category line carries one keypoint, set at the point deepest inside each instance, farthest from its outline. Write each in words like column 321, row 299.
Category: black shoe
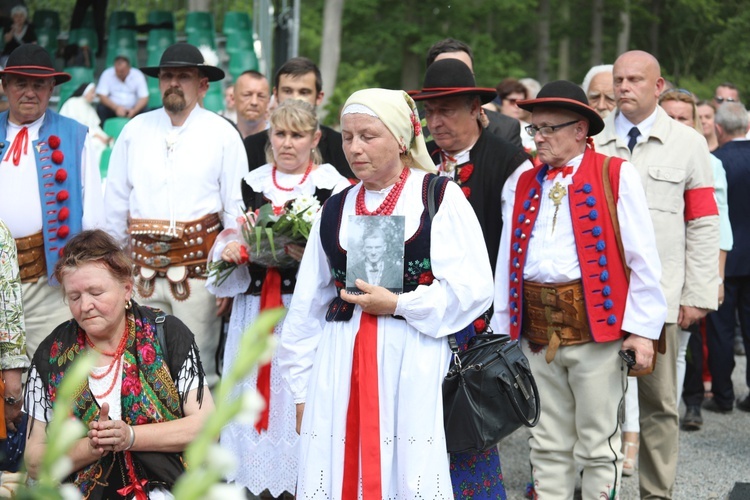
column 744, row 403
column 739, row 346
column 712, row 405
column 693, row 419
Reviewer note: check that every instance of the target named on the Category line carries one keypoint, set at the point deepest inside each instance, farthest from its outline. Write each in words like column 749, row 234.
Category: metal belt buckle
column 157, row 261
column 158, row 247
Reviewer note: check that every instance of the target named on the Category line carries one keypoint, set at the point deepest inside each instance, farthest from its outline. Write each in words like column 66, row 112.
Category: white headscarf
column 399, row 114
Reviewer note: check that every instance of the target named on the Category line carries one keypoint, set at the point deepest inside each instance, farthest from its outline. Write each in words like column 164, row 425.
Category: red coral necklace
column 116, row 363
column 304, row 177
column 389, row 203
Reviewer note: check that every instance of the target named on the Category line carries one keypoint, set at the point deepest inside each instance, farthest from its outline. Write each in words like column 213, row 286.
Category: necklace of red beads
column 116, row 363
column 304, row 177
column 389, row 203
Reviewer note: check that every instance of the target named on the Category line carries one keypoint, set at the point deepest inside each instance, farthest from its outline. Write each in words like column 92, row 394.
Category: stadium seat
column 199, row 21
column 202, row 37
column 120, row 18
column 47, row 38
column 240, row 62
column 163, row 19
column 46, row 19
column 239, row 41
column 113, row 126
column 78, row 76
column 236, row 21
column 84, row 37
column 104, row 162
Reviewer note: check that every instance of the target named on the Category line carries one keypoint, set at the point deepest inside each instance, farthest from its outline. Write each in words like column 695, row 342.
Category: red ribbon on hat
column 270, row 297
column 363, row 416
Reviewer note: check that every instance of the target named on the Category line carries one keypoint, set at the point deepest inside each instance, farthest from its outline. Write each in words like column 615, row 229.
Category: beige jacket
column 675, row 159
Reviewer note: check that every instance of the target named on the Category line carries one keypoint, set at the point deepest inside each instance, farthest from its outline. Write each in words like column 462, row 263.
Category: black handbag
column 488, row 393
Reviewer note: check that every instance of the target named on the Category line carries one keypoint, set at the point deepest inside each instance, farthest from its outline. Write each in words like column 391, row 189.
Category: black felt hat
column 450, row 77
column 33, row 61
column 565, row 95
column 184, row 55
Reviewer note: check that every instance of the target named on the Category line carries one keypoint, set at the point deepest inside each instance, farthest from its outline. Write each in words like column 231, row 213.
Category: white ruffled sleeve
column 305, row 320
column 463, row 286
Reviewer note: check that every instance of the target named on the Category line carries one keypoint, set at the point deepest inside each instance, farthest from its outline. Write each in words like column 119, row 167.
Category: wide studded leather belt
column 555, row 315
column 32, row 263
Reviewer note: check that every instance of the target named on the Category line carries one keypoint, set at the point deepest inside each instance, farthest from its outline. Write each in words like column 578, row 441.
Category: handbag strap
column 524, row 372
column 161, row 337
column 431, row 210
column 612, row 206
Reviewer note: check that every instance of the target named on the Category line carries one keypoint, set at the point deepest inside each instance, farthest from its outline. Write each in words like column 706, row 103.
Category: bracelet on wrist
column 132, row 438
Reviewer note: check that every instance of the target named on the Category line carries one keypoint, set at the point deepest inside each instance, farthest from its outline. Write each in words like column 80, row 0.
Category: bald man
column 675, row 168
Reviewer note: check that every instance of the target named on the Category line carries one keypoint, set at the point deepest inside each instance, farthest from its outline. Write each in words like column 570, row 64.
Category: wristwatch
column 11, row 401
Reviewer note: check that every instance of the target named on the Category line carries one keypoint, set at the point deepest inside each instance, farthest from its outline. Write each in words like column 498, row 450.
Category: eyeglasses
column 546, row 130
column 722, row 99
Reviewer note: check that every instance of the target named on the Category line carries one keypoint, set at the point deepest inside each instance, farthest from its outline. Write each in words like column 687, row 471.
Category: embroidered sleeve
column 12, row 328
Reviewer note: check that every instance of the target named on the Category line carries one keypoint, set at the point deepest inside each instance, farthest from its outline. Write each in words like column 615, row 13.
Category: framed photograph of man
column 375, row 252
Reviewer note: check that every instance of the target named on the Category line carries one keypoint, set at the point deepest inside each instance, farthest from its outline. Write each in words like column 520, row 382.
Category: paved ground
column 711, row 460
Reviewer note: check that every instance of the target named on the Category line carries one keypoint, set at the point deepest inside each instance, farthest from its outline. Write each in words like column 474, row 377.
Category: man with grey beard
column 173, row 182
column 600, row 90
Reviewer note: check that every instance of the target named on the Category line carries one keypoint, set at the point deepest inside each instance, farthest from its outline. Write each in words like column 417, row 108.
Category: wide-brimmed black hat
column 184, row 55
column 33, row 61
column 566, row 95
column 450, row 77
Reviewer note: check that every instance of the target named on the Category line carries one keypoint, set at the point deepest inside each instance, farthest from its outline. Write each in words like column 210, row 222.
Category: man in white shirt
column 576, row 298
column 174, row 179
column 122, row 91
column 50, row 188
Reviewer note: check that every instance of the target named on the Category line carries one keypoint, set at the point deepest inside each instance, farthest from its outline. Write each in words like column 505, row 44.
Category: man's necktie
column 633, row 134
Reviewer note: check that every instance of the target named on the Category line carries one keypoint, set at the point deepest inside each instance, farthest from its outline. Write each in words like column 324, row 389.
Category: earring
column 127, row 305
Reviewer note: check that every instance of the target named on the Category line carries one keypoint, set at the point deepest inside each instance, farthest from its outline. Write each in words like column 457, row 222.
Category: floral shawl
column 149, row 395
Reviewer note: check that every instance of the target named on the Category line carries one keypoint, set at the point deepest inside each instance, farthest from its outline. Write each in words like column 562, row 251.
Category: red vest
column 605, row 284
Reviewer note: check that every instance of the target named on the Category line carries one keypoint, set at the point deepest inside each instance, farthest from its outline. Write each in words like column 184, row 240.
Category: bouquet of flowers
column 267, row 231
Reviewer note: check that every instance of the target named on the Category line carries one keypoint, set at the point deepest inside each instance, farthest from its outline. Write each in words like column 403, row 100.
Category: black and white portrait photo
column 376, row 252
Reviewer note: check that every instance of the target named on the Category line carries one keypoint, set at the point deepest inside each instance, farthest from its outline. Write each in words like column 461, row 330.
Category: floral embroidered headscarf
column 399, row 114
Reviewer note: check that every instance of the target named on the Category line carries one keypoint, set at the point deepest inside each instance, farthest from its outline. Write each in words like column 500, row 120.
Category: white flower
column 306, row 206
column 252, row 405
column 69, row 492
column 221, row 459
column 224, row 491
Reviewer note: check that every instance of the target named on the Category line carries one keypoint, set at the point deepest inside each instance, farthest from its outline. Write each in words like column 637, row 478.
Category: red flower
column 131, row 384
column 53, row 141
column 57, row 157
column 465, row 172
column 148, row 354
column 244, row 255
column 63, row 232
column 61, row 175
column 54, row 350
column 63, row 194
column 426, row 278
column 278, row 210
column 141, row 419
column 338, row 284
column 63, row 214
column 480, row 325
column 415, row 123
column 466, row 190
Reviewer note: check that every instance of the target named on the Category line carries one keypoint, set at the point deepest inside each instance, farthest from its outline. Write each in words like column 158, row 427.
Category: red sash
column 270, row 297
column 363, row 416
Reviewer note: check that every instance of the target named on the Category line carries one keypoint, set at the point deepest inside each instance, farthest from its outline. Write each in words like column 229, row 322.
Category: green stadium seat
column 78, row 76
column 213, row 102
column 239, row 41
column 113, row 126
column 240, row 62
column 84, row 37
column 154, row 95
column 202, row 37
column 104, row 162
column 47, row 38
column 122, row 38
column 46, row 19
column 120, row 18
column 203, row 21
column 159, row 40
column 164, row 19
column 237, row 21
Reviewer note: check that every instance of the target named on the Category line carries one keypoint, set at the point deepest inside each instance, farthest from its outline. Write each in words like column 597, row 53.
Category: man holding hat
column 563, row 285
column 173, row 182
column 479, row 161
column 50, row 187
